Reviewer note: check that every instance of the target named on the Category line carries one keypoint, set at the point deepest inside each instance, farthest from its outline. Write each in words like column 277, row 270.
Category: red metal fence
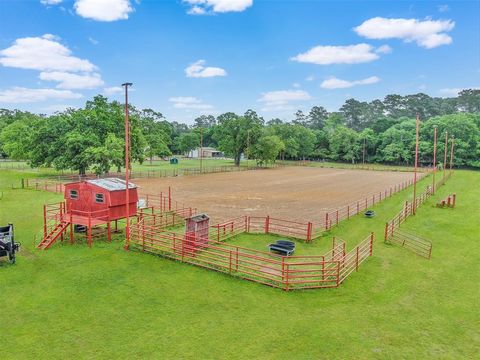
column 420, row 246
column 333, row 217
column 412, row 242
column 287, row 273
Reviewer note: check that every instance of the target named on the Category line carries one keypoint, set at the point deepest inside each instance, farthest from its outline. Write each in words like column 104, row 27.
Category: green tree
column 233, row 133
column 267, row 149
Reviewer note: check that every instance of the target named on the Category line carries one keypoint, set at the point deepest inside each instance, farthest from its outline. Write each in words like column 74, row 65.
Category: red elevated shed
column 89, row 203
column 102, row 198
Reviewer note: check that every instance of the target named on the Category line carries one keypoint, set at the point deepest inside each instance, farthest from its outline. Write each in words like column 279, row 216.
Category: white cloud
column 443, row 8
column 73, row 81
column 452, row 92
column 43, row 53
column 334, row 83
column 113, row 90
column 326, row 55
column 198, row 70
column 201, row 7
column 189, row 103
column 103, row 10
column 50, row 2
column 310, row 78
column 384, row 49
column 426, row 33
column 93, row 41
column 281, row 99
column 296, row 85
column 25, row 95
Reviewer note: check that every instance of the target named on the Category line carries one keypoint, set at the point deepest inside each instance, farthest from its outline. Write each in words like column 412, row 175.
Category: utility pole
column 127, row 166
column 201, row 149
column 434, row 156
column 416, row 165
column 451, row 153
column 445, row 156
column 248, row 146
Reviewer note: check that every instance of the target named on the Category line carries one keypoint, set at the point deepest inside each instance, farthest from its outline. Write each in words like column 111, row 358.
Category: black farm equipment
column 8, row 246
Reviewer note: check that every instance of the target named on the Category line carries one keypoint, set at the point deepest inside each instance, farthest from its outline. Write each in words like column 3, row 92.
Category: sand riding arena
column 295, row 193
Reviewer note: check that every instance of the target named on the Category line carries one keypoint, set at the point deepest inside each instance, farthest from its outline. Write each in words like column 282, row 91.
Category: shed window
column 99, row 198
column 73, row 194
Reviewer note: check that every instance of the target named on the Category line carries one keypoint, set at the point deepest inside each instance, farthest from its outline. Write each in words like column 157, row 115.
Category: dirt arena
column 296, row 193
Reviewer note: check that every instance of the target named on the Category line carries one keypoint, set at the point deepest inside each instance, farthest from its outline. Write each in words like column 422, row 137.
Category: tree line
column 383, row 131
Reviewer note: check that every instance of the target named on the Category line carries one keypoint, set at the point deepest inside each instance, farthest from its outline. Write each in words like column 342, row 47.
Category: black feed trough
column 369, row 213
column 282, row 247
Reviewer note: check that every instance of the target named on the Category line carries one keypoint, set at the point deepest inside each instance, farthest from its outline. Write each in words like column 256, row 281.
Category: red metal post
column 445, row 157
column 169, row 199
column 326, row 221
column 89, row 230
column 372, row 238
column 348, row 211
column 356, row 261
column 127, row 168
column 451, row 153
column 416, row 164
column 267, row 224
column 44, row 221
column 309, row 231
column 434, row 157
column 71, row 228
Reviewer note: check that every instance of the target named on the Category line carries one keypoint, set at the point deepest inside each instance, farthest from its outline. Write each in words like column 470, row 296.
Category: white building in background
column 207, row 152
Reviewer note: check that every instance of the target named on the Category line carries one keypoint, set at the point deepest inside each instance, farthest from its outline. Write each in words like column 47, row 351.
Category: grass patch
column 76, row 302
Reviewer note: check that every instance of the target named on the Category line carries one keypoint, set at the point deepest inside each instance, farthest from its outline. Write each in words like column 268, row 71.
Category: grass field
column 75, row 302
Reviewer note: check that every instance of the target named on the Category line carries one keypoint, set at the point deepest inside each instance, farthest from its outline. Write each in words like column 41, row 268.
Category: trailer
column 8, row 246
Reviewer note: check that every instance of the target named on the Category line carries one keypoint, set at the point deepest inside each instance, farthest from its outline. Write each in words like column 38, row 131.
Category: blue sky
column 191, row 57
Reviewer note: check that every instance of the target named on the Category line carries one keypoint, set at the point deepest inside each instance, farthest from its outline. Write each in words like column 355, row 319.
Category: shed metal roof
column 112, row 184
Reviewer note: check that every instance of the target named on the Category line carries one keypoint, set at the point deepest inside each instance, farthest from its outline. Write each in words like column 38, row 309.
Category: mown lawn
column 75, row 302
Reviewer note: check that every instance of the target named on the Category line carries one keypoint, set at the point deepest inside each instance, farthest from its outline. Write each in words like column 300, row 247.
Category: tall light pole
column 127, row 166
column 451, row 153
column 248, row 146
column 445, row 156
column 434, row 156
column 416, row 165
column 201, row 149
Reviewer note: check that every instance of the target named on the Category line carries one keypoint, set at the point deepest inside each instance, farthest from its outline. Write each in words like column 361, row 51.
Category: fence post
column 358, row 207
column 44, row 221
column 287, row 271
column 248, row 224
column 372, row 238
column 169, row 198
column 356, row 261
column 236, row 261
column 326, row 221
column 309, row 231
column 348, row 211
column 267, row 224
column 337, row 217
column 386, row 231
column 454, row 199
